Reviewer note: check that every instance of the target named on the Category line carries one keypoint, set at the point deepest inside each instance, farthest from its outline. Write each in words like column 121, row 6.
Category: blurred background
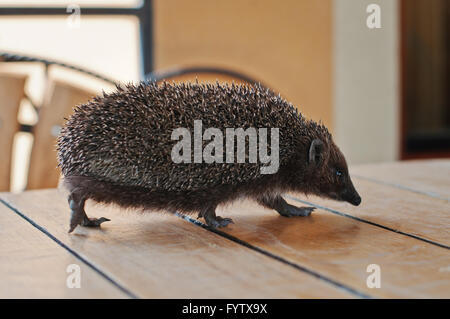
column 383, row 92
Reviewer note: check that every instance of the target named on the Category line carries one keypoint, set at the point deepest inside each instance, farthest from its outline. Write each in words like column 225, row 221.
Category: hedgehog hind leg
column 283, row 208
column 209, row 214
column 78, row 215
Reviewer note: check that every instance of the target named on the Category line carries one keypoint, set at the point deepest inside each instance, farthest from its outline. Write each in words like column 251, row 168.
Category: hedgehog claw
column 77, row 212
column 72, row 227
column 218, row 222
column 94, row 222
column 75, row 220
column 294, row 211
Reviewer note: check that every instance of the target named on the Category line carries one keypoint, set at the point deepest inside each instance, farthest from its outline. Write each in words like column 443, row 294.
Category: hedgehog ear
column 316, row 152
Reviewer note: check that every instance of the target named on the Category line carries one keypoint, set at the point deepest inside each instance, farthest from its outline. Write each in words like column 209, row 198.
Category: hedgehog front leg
column 78, row 215
column 284, row 208
column 209, row 214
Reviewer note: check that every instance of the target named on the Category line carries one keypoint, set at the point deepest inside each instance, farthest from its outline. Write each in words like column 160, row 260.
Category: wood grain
column 163, row 256
column 58, row 104
column 342, row 248
column 34, row 266
column 431, row 177
column 398, row 209
column 11, row 94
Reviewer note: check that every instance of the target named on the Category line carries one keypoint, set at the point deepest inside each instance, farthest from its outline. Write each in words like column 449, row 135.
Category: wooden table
column 402, row 226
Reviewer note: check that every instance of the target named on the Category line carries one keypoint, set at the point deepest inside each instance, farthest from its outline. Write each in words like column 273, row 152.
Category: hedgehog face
column 331, row 173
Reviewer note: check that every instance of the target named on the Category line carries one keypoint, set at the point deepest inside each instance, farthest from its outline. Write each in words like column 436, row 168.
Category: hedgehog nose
column 356, row 200
column 352, row 197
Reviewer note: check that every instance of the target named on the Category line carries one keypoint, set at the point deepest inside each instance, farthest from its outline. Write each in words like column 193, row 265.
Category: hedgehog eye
column 338, row 173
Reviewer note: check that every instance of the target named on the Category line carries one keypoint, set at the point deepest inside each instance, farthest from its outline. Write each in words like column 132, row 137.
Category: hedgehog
column 119, row 148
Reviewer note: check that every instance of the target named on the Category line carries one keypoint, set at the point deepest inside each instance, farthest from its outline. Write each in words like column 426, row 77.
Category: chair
column 11, row 94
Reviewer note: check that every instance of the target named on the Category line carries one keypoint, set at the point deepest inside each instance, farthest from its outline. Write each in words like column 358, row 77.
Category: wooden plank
column 163, row 256
column 34, row 266
column 58, row 104
column 398, row 209
column 430, row 177
column 342, row 248
column 11, row 94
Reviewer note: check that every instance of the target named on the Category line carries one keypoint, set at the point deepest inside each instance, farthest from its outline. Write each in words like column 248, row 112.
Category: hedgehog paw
column 294, row 211
column 218, row 222
column 94, row 222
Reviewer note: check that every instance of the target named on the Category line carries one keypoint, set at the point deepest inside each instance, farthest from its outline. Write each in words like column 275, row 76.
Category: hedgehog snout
column 351, row 196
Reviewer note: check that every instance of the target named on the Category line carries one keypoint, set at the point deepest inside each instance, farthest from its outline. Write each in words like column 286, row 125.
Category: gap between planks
column 427, row 177
column 339, row 213
column 402, row 187
column 71, row 251
column 275, row 257
column 376, row 224
column 305, row 269
column 324, row 283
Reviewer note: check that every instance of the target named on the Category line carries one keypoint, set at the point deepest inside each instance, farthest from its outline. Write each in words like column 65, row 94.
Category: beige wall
column 366, row 81
column 285, row 44
column 320, row 55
